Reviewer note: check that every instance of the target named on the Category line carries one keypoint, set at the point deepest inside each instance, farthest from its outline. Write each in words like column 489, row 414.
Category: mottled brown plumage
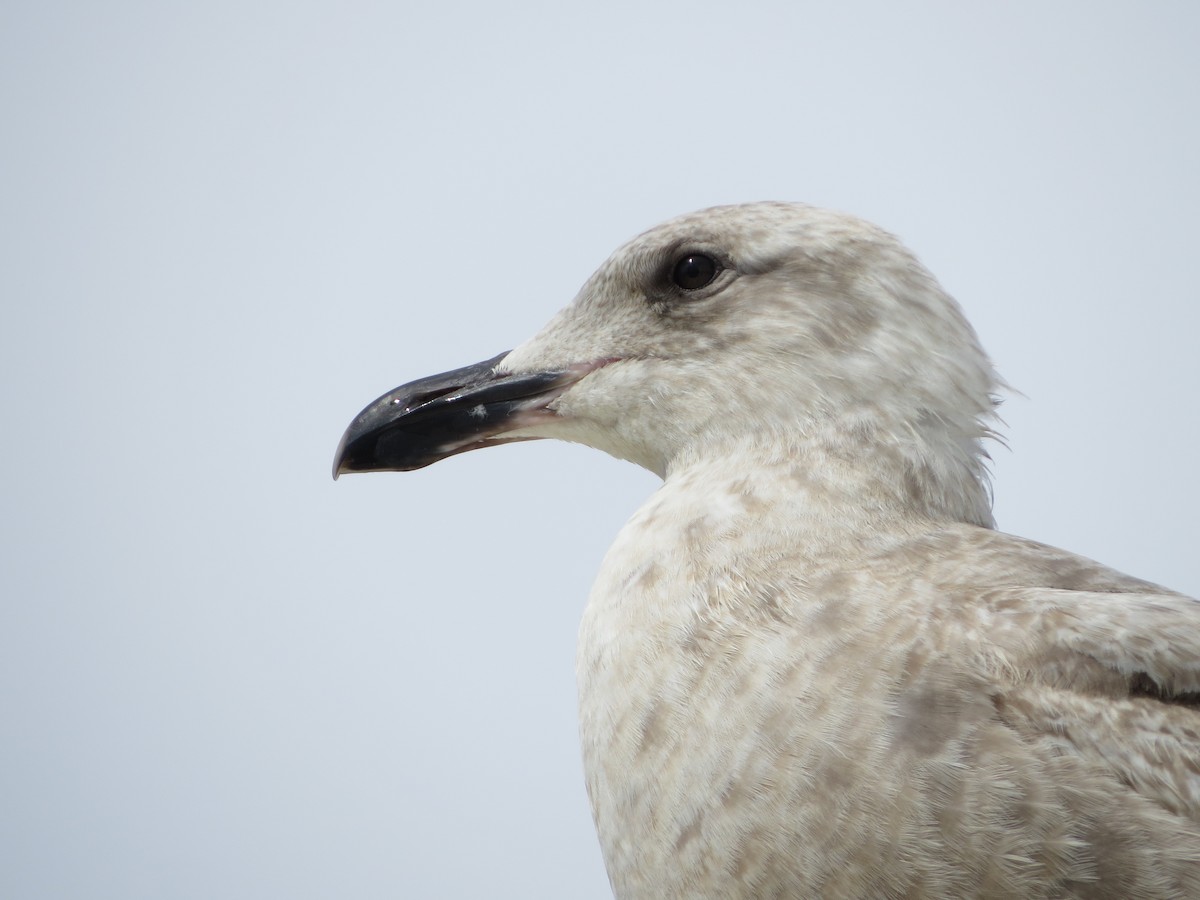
column 809, row 667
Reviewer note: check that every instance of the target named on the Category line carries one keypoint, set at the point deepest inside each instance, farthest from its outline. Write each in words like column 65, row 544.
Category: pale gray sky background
column 227, row 226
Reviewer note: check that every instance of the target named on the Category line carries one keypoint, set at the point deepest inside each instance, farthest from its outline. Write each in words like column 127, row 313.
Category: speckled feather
column 809, row 667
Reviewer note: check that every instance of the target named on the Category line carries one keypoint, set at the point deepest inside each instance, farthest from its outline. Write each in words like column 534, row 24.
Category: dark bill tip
column 426, row 420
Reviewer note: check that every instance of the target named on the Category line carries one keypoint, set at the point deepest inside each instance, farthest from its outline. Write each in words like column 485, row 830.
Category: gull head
column 775, row 329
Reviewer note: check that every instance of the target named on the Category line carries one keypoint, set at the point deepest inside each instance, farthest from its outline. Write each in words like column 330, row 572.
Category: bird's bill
column 426, row 420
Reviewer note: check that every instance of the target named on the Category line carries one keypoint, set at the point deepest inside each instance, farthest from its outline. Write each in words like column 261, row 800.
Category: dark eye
column 694, row 271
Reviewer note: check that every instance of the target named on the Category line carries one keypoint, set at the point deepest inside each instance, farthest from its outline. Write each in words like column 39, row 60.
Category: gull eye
column 694, row 271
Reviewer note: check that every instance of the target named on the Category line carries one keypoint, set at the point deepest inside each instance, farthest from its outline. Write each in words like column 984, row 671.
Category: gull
column 810, row 667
